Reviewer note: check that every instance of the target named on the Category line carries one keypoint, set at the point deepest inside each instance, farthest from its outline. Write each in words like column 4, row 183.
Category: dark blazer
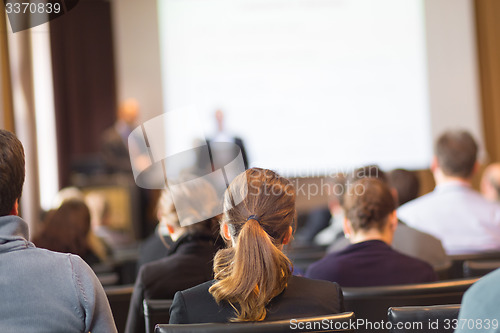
column 302, row 298
column 152, row 249
column 371, row 263
column 413, row 243
column 188, row 264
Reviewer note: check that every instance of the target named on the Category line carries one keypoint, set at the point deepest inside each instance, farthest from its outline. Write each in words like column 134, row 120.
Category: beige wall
column 137, row 54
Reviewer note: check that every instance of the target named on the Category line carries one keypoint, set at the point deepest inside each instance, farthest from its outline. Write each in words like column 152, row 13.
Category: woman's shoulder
column 199, row 289
column 197, row 305
column 306, row 297
column 320, row 285
column 198, row 294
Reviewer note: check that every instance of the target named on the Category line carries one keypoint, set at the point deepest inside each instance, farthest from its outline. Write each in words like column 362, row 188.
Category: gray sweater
column 45, row 291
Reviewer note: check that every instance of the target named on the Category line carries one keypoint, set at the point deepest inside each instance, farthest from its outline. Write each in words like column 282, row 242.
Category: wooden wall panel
column 488, row 39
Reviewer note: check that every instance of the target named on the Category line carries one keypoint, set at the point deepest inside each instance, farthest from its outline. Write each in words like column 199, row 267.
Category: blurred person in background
column 369, row 224
column 406, row 184
column 454, row 212
column 406, row 240
column 189, row 257
column 66, row 230
column 490, row 182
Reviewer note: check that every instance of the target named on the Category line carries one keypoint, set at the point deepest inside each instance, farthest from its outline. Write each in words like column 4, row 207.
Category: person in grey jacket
column 41, row 290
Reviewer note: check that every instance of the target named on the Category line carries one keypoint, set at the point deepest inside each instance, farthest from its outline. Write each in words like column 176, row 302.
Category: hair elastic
column 253, row 217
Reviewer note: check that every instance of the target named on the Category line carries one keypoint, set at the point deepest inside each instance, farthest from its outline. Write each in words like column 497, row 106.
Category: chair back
column 457, row 262
column 423, row 319
column 473, row 268
column 119, row 301
column 333, row 323
column 372, row 303
column 156, row 311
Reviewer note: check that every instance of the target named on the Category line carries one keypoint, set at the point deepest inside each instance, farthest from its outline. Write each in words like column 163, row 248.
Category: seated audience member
column 97, row 245
column 369, row 224
column 155, row 247
column 190, row 257
column 66, row 230
column 406, row 184
column 455, row 213
column 407, row 240
column 334, row 231
column 480, row 304
column 317, row 221
column 101, row 221
column 42, row 291
column 490, row 182
column 253, row 277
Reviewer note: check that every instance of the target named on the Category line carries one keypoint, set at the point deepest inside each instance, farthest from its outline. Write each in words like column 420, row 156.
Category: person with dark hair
column 369, row 224
column 406, row 184
column 455, row 213
column 36, row 284
column 66, row 230
column 253, row 277
column 190, row 254
column 407, row 240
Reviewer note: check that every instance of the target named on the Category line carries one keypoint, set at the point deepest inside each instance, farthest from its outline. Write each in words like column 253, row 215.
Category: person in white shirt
column 455, row 213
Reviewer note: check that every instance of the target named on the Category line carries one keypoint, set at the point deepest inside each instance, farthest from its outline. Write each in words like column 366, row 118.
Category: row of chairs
column 420, row 319
column 370, row 304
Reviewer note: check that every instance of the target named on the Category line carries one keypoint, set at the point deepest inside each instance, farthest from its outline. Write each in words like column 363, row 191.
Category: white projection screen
column 311, row 86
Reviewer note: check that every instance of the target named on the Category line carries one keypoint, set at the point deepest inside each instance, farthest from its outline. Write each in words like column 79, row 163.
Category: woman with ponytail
column 253, row 278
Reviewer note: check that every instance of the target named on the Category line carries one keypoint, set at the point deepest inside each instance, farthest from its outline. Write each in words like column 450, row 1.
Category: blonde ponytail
column 255, row 270
column 251, row 274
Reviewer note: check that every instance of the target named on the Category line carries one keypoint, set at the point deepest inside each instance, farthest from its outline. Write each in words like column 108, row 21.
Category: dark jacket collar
column 189, row 239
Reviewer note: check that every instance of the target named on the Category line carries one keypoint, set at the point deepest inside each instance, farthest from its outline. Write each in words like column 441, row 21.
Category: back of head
column 128, row 111
column 369, row 171
column 11, row 171
column 189, row 204
column 406, row 184
column 255, row 270
column 456, row 153
column 368, row 203
column 66, row 229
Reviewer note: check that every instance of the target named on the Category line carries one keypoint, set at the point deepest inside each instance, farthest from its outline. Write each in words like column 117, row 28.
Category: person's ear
column 393, row 221
column 15, row 209
column 347, row 228
column 225, row 231
column 434, row 164
column 288, row 236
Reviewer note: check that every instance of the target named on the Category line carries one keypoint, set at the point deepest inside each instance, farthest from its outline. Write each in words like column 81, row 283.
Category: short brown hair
column 456, row 153
column 406, row 184
column 11, row 171
column 368, row 204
